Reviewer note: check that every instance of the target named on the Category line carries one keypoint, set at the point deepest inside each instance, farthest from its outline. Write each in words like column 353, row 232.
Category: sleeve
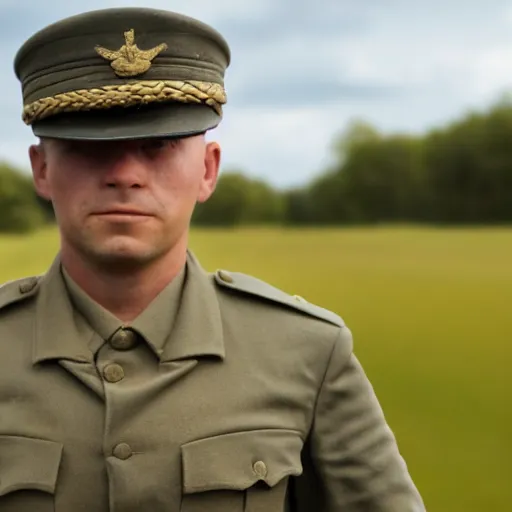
column 351, row 459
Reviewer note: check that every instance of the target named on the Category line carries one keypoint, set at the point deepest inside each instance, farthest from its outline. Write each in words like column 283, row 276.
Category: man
column 131, row 379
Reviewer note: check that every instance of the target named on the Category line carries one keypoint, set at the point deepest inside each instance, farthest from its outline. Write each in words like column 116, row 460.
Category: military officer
column 130, row 378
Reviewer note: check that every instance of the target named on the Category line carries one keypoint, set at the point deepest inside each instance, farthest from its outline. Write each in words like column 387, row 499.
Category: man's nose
column 126, row 171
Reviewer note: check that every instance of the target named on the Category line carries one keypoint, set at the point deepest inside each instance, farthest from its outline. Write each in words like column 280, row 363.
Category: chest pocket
column 240, row 472
column 28, row 474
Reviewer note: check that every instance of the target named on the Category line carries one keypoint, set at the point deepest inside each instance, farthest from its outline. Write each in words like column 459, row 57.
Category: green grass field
column 431, row 314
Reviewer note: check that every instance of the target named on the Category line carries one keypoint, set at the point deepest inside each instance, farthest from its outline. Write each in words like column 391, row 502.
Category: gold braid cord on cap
column 126, row 95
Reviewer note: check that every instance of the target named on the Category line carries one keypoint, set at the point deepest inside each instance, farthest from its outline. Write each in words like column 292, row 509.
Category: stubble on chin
column 114, row 254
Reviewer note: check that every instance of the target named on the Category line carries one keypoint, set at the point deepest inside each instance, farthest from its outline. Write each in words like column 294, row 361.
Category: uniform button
column 123, row 339
column 122, row 451
column 225, row 276
column 260, row 468
column 28, row 285
column 113, row 372
column 298, row 298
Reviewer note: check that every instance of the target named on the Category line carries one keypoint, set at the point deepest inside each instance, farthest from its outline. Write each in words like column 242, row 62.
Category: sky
column 303, row 70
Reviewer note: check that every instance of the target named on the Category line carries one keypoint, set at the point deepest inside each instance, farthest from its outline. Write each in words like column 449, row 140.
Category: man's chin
column 122, row 258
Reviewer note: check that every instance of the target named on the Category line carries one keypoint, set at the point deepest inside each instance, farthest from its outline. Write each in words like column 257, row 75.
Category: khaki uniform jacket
column 232, row 397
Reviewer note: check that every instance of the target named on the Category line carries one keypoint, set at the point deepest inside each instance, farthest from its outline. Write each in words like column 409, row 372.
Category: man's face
column 124, row 202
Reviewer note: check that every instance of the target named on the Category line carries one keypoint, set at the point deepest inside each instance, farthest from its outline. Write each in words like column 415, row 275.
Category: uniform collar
column 154, row 324
column 100, row 320
column 195, row 332
column 197, row 329
column 58, row 333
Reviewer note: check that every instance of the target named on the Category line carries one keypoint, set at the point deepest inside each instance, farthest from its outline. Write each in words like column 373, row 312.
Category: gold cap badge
column 129, row 60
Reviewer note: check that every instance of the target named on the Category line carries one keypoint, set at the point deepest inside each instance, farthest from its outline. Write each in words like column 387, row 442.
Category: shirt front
column 107, row 409
column 227, row 395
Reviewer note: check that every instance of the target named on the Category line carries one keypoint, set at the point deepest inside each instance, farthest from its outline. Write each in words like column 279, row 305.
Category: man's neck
column 124, row 294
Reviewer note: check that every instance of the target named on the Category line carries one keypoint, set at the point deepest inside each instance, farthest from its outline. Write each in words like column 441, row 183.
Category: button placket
column 115, row 369
column 120, row 370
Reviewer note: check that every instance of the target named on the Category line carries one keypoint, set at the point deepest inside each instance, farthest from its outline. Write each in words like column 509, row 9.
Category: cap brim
column 162, row 120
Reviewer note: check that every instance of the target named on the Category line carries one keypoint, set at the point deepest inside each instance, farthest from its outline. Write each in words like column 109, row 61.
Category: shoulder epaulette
column 20, row 289
column 253, row 286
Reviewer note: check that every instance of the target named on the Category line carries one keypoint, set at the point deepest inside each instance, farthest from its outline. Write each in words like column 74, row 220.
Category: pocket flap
column 28, row 463
column 237, row 461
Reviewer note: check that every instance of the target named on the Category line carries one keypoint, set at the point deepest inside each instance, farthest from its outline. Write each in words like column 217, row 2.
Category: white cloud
column 224, row 10
column 492, row 69
column 15, row 151
column 284, row 147
column 443, row 57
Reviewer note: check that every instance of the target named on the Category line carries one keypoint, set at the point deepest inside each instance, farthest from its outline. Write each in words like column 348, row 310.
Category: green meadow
column 431, row 314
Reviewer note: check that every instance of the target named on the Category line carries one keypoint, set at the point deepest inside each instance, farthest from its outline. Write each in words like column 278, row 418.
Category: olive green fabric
column 62, row 58
column 151, row 325
column 257, row 403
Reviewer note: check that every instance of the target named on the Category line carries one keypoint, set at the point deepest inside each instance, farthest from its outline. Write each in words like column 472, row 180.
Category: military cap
column 122, row 74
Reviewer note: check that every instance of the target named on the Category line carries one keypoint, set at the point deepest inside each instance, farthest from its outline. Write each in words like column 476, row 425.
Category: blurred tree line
column 21, row 210
column 458, row 174
column 461, row 173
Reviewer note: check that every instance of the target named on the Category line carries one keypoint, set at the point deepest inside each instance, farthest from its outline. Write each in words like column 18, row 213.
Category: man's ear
column 37, row 155
column 211, row 171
